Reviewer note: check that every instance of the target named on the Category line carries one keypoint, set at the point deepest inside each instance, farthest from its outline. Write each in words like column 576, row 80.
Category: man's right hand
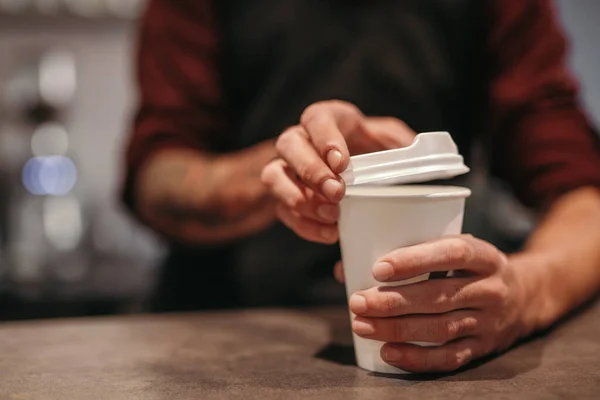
column 305, row 179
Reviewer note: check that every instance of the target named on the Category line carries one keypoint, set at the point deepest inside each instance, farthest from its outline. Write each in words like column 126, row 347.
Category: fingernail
column 383, row 271
column 363, row 327
column 332, row 189
column 328, row 212
column 358, row 304
column 328, row 233
column 392, row 354
column 334, row 159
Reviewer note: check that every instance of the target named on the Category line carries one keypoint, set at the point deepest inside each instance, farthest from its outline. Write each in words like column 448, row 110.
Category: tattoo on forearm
column 195, row 204
column 205, row 218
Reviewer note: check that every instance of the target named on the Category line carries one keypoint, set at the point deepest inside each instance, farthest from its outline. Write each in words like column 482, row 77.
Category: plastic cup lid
column 432, row 156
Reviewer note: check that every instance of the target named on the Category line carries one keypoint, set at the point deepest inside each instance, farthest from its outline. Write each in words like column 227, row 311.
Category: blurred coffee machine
column 66, row 247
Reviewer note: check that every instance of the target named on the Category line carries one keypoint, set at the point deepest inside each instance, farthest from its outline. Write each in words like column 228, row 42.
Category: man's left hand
column 476, row 311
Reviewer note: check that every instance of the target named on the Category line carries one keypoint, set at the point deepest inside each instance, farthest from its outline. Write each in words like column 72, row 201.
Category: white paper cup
column 375, row 220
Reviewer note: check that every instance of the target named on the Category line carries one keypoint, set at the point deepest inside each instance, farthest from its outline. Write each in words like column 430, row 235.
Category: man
column 220, row 80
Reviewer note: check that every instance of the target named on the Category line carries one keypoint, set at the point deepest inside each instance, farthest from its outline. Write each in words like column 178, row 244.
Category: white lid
column 432, row 156
column 407, row 191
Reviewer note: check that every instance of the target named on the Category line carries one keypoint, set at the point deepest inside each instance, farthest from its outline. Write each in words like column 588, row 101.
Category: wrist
column 236, row 179
column 249, row 161
column 538, row 305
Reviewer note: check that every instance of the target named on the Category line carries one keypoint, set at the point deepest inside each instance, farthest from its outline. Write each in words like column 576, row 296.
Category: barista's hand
column 480, row 310
column 305, row 178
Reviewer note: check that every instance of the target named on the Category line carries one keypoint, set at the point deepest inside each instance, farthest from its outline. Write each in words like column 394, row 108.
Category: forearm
column 560, row 265
column 200, row 198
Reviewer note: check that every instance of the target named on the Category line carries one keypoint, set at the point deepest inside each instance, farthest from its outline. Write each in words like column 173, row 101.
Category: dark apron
column 416, row 60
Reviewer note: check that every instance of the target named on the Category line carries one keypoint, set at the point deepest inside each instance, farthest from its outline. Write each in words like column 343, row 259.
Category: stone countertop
column 269, row 354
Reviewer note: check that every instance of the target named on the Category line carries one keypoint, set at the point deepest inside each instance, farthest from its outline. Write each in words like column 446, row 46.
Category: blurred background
column 66, row 94
column 67, row 247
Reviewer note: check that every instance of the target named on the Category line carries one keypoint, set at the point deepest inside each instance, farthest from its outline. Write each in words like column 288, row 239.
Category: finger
column 281, row 186
column 296, row 196
column 425, row 297
column 389, row 132
column 307, row 229
column 439, row 328
column 461, row 252
column 295, row 148
column 444, row 358
column 328, row 124
column 318, row 210
column 338, row 272
column 315, row 206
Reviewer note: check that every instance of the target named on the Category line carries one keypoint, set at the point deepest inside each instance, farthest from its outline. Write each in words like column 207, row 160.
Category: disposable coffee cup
column 376, row 220
column 383, row 211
